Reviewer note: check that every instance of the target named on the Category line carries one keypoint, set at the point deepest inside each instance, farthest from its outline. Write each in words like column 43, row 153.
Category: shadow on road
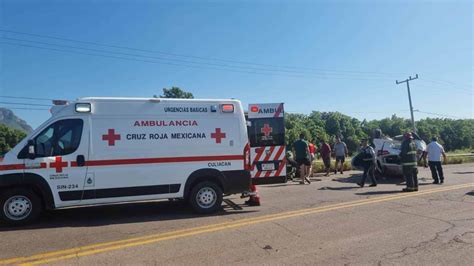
column 338, row 188
column 463, row 173
column 354, row 178
column 368, row 193
column 120, row 214
column 470, row 193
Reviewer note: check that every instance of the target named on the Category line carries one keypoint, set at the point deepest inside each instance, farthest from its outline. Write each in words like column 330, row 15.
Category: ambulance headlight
column 83, row 107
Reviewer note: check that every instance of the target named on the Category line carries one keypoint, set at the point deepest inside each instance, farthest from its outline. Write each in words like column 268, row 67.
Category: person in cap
column 368, row 162
column 434, row 150
column 409, row 162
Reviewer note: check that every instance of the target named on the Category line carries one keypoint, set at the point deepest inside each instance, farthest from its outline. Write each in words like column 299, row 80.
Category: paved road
column 330, row 222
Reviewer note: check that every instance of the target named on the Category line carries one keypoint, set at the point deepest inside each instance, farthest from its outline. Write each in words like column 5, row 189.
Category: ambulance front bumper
column 236, row 181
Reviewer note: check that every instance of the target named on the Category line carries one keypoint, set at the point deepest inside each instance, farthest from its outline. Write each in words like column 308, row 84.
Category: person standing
column 409, row 162
column 434, row 150
column 325, row 151
column 340, row 150
column 301, row 151
column 312, row 153
column 368, row 162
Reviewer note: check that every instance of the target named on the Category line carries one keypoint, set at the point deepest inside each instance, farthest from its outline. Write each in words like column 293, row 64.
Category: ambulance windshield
column 266, row 132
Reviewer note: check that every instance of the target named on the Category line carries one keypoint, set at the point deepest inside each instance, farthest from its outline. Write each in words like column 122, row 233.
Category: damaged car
column 387, row 151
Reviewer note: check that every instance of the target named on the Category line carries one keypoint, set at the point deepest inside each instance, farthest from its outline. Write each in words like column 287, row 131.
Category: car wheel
column 19, row 206
column 206, row 197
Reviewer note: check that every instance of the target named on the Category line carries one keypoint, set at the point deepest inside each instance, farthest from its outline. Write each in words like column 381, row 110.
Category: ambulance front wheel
column 19, row 206
column 206, row 197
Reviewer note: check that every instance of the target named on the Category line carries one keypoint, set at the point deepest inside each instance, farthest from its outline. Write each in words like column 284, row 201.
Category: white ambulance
column 266, row 130
column 109, row 150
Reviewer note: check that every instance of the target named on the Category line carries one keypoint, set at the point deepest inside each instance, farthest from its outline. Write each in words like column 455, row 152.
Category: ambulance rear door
column 266, row 130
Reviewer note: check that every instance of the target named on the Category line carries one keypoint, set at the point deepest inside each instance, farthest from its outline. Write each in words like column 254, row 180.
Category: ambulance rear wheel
column 206, row 197
column 19, row 206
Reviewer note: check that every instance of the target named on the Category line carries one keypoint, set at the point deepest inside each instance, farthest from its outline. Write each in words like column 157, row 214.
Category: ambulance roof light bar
column 60, row 102
column 227, row 108
column 83, row 107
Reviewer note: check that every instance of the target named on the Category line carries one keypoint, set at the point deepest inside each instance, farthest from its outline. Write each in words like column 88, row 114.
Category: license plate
column 268, row 166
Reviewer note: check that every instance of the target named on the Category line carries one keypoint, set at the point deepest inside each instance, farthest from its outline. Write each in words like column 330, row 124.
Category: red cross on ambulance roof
column 111, row 137
column 218, row 135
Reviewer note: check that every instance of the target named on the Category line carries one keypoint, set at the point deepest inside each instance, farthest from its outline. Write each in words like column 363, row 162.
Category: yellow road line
column 125, row 243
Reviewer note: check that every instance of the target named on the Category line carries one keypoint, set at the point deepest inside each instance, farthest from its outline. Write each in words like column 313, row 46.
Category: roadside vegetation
column 454, row 135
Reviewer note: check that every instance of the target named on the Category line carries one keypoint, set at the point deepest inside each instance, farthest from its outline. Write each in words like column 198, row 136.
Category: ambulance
column 266, row 130
column 114, row 150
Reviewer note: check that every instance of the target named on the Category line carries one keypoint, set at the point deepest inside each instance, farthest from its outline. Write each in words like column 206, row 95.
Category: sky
column 312, row 55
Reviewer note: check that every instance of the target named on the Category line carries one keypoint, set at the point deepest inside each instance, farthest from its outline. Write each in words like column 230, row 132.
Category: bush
column 318, row 165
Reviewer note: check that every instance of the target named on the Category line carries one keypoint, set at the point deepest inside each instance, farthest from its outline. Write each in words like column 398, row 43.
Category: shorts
column 341, row 159
column 303, row 161
column 327, row 162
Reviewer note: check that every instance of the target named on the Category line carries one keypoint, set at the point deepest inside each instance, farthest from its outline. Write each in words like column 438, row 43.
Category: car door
column 61, row 150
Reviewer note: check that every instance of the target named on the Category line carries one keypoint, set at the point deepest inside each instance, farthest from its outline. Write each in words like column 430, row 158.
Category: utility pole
column 409, row 97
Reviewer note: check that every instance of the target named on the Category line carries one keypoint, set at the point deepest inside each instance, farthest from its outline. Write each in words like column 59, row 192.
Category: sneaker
column 373, row 185
column 435, row 182
column 301, row 182
column 360, row 184
column 342, row 172
column 408, row 190
column 307, row 180
column 441, row 182
column 416, row 189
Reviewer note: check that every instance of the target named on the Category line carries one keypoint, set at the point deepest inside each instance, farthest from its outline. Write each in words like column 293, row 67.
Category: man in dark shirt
column 301, row 151
column 325, row 151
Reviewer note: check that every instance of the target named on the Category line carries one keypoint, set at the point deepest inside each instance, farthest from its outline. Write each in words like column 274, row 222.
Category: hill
column 8, row 118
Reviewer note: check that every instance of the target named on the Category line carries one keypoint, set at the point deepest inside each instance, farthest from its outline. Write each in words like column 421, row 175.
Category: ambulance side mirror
column 31, row 149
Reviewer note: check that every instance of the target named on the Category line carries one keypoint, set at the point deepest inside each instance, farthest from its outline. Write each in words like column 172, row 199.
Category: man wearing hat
column 408, row 160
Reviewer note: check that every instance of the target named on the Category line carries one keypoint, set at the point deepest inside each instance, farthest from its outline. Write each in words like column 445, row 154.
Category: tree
column 9, row 137
column 175, row 92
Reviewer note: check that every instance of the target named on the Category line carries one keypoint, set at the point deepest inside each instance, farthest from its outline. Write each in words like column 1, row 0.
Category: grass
column 318, row 165
column 463, row 151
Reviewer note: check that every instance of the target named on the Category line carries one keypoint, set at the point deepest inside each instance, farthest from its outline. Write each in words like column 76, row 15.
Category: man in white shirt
column 434, row 150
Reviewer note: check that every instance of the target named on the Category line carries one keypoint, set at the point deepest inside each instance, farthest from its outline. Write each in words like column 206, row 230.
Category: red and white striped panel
column 266, row 154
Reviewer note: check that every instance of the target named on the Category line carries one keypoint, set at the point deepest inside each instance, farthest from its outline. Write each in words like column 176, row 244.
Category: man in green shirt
column 301, row 151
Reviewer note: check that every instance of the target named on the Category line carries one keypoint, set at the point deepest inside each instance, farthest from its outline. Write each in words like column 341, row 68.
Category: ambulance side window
column 60, row 138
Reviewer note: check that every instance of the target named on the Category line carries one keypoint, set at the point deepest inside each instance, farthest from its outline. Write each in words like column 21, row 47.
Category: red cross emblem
column 111, row 137
column 266, row 130
column 58, row 164
column 218, row 135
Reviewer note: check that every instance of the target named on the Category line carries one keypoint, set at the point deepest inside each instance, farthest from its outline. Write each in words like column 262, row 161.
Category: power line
column 443, row 115
column 198, row 57
column 168, row 60
column 140, row 60
column 23, row 108
column 27, row 98
column 182, row 65
column 151, row 57
column 27, row 104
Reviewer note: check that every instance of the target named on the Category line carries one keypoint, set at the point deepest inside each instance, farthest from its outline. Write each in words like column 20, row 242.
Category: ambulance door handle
column 80, row 160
